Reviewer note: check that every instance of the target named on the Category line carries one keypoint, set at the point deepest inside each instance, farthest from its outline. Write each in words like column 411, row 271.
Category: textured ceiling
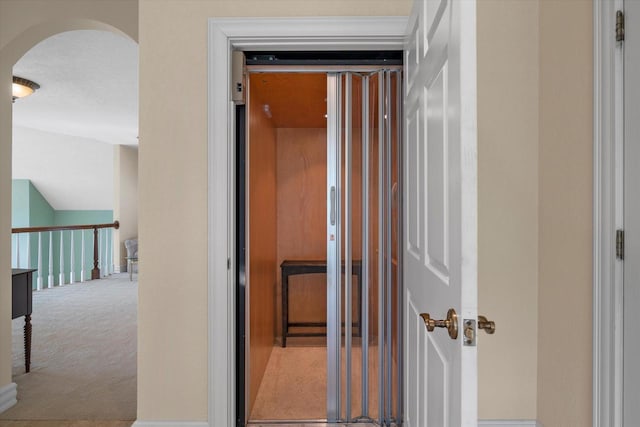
column 88, row 87
column 63, row 135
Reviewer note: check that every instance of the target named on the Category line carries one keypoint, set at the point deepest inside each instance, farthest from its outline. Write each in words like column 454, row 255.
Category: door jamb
column 608, row 183
column 226, row 35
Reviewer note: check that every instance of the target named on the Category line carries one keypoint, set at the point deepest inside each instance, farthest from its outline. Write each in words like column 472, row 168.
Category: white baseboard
column 170, row 424
column 8, row 396
column 509, row 423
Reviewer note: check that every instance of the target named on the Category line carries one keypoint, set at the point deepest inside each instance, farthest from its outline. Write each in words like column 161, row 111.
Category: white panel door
column 631, row 370
column 440, row 208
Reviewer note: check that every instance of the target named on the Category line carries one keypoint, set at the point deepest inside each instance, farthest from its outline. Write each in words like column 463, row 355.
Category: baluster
column 83, row 262
column 100, row 259
column 112, row 267
column 103, row 264
column 39, row 281
column 95, row 273
column 61, row 275
column 72, row 264
column 17, row 250
column 113, row 248
column 107, row 266
column 28, row 250
column 107, row 269
column 110, row 255
column 50, row 278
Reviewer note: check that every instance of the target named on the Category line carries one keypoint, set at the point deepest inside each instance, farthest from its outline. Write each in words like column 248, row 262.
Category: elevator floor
column 294, row 386
column 310, row 424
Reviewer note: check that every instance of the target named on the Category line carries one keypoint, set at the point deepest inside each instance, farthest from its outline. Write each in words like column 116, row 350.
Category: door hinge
column 620, row 244
column 619, row 26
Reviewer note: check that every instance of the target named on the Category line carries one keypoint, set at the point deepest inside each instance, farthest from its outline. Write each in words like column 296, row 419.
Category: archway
column 26, row 31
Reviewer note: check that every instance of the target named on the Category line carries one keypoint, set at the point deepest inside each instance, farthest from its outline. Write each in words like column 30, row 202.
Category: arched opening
column 80, row 129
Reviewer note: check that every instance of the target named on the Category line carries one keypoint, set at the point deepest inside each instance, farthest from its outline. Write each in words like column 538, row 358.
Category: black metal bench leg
column 285, row 308
column 360, row 305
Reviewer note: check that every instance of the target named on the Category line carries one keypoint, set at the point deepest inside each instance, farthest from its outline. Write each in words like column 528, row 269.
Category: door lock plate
column 469, row 332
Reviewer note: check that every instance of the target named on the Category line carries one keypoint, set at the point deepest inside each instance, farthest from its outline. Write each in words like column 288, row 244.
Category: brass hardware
column 469, row 332
column 489, row 326
column 450, row 323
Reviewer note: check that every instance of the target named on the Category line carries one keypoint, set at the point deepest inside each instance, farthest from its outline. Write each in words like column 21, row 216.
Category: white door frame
column 226, row 35
column 608, row 176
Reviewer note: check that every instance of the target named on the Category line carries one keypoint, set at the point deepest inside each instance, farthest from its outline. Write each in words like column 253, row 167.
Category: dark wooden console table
column 21, row 305
column 291, row 268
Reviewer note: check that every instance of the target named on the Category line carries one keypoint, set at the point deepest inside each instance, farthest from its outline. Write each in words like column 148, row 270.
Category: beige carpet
column 83, row 359
column 294, row 386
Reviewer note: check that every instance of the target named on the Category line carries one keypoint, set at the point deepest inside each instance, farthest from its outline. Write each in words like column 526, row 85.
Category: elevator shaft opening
column 322, row 226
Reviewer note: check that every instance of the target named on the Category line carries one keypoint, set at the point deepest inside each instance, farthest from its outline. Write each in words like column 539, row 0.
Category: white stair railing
column 67, row 255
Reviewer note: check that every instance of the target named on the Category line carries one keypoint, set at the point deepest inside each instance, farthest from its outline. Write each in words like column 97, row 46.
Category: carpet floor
column 83, row 357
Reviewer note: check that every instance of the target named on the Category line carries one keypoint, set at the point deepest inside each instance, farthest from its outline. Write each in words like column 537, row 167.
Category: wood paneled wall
column 302, row 210
column 262, row 232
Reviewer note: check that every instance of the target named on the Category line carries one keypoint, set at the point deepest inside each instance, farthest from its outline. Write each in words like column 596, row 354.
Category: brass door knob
column 489, row 326
column 450, row 323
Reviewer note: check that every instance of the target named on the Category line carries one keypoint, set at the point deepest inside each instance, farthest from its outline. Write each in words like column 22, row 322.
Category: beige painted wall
column 22, row 25
column 173, row 134
column 508, row 206
column 534, row 122
column 125, row 203
column 5, row 227
column 565, row 185
column 534, row 171
column 27, row 22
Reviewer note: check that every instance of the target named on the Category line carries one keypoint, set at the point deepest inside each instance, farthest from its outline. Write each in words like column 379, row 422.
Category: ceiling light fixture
column 23, row 87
